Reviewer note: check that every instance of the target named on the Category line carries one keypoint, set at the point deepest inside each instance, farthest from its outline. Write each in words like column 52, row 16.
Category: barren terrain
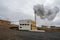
column 9, row 34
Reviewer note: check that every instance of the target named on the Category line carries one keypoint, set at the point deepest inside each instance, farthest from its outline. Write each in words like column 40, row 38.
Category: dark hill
column 7, row 34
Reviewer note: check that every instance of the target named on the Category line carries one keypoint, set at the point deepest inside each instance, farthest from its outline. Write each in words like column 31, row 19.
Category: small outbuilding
column 27, row 25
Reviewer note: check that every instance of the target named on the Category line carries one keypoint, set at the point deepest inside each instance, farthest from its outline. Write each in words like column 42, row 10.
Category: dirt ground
column 9, row 34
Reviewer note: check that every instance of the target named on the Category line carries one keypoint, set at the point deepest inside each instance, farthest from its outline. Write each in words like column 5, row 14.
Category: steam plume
column 45, row 12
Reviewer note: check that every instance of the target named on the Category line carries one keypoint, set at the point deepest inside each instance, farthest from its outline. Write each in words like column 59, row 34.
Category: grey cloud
column 50, row 14
column 21, row 9
column 12, row 9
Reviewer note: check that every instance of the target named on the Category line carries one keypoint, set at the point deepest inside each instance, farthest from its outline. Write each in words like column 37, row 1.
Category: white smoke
column 45, row 12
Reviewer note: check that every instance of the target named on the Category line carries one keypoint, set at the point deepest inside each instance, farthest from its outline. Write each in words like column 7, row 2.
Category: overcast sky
column 23, row 9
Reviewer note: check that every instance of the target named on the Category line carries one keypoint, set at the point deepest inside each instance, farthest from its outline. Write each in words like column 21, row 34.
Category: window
column 20, row 27
column 21, row 24
column 26, row 24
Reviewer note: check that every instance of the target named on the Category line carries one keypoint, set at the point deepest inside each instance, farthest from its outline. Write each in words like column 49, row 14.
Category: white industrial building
column 27, row 25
